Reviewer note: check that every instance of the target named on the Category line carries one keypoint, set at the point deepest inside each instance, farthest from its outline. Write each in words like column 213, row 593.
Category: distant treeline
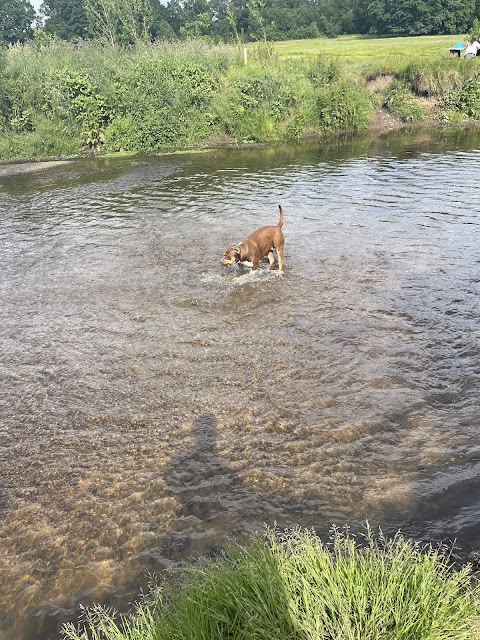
column 124, row 21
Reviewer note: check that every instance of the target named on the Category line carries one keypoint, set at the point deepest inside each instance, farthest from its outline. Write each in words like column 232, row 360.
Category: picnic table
column 457, row 49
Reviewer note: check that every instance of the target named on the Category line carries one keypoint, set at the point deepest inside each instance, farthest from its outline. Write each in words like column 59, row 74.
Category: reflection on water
column 153, row 404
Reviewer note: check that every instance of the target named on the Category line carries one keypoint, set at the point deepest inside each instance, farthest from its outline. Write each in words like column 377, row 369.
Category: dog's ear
column 241, row 252
column 236, row 248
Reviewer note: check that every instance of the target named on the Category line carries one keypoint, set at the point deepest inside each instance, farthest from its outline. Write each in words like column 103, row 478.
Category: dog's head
column 231, row 256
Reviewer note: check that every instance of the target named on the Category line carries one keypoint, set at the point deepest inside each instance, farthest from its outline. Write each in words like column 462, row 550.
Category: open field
column 363, row 50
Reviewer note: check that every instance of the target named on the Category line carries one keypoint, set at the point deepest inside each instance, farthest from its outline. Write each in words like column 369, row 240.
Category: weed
column 465, row 102
column 403, row 104
column 294, row 586
column 343, row 106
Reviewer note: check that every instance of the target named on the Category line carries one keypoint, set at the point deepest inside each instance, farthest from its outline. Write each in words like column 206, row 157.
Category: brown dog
column 256, row 246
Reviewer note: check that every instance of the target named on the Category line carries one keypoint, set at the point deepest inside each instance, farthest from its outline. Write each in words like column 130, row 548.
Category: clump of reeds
column 293, row 586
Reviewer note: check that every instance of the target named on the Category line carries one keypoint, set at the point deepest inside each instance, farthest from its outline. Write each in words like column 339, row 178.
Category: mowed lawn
column 364, row 50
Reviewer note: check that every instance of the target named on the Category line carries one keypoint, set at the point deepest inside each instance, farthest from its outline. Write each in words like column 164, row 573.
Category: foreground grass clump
column 403, row 104
column 293, row 586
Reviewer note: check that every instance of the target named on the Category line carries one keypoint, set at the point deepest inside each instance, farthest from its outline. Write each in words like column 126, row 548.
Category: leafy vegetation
column 16, row 17
column 59, row 98
column 465, row 103
column 403, row 104
column 293, row 586
column 343, row 106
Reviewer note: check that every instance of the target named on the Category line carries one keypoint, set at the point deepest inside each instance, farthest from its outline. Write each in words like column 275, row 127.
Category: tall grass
column 438, row 77
column 59, row 98
column 292, row 586
column 152, row 98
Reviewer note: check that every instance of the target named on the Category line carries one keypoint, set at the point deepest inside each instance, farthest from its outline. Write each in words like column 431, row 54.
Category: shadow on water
column 206, row 499
column 205, row 490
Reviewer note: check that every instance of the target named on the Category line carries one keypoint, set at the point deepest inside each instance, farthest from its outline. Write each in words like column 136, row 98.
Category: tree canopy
column 420, row 17
column 65, row 18
column 123, row 21
column 16, row 18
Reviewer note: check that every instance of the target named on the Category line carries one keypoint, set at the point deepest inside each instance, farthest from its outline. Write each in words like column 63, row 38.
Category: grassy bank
column 58, row 99
column 295, row 587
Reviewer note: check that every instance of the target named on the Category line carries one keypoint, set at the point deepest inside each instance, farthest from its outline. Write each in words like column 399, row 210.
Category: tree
column 162, row 27
column 474, row 31
column 401, row 17
column 197, row 19
column 16, row 17
column 120, row 21
column 457, row 15
column 420, row 17
column 65, row 18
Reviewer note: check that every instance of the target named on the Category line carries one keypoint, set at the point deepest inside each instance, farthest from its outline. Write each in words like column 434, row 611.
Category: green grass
column 357, row 49
column 372, row 56
column 294, row 587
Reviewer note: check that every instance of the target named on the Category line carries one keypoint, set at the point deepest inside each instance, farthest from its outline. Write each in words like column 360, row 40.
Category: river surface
column 153, row 404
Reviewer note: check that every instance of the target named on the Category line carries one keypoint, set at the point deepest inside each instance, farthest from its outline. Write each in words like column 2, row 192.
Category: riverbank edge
column 382, row 123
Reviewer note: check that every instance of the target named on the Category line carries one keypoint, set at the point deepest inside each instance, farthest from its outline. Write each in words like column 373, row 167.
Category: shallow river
column 153, row 404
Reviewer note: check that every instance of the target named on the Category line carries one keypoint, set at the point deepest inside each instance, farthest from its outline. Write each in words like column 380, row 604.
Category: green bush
column 195, row 82
column 264, row 101
column 403, row 104
column 343, row 106
column 323, row 71
column 160, row 103
column 293, row 586
column 465, row 102
column 83, row 101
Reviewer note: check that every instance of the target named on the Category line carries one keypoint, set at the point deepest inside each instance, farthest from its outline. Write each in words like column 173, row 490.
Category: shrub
column 466, row 101
column 83, row 101
column 197, row 85
column 403, row 104
column 294, row 586
column 323, row 71
column 264, row 102
column 343, row 106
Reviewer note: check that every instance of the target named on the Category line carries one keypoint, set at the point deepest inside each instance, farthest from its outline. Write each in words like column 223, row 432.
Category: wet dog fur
column 262, row 242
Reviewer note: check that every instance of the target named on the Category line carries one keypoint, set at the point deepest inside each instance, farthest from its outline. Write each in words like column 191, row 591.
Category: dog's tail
column 280, row 222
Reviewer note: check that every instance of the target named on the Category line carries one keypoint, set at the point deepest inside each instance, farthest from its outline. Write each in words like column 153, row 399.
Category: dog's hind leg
column 279, row 251
column 271, row 259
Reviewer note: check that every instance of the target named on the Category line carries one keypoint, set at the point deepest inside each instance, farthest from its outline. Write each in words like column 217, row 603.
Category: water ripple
column 154, row 404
